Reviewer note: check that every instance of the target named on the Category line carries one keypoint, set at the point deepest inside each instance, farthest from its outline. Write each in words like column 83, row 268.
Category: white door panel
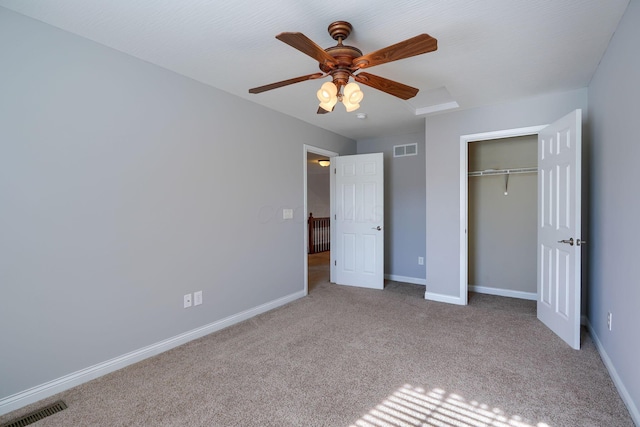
column 559, row 216
column 360, row 220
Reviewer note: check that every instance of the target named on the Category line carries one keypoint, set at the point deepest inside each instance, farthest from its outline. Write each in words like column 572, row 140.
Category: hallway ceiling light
column 324, row 162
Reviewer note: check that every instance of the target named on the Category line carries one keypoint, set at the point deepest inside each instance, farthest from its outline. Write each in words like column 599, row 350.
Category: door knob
column 570, row 241
column 376, row 228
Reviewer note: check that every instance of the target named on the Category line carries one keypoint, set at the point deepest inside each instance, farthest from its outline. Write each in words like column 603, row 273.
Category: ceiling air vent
column 405, row 150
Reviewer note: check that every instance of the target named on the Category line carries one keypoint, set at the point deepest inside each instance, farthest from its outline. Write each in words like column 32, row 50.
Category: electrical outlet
column 187, row 301
column 609, row 320
column 420, row 260
column 197, row 298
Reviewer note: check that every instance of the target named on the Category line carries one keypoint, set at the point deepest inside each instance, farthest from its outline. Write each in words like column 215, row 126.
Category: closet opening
column 502, row 195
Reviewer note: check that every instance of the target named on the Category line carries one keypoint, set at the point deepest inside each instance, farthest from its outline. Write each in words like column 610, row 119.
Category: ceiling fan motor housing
column 340, row 30
column 344, row 55
column 344, row 58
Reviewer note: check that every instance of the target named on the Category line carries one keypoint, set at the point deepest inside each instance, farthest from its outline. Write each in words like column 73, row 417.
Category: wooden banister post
column 311, row 233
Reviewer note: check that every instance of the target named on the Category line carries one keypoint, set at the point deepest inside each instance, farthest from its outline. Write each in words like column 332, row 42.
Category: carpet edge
column 50, row 388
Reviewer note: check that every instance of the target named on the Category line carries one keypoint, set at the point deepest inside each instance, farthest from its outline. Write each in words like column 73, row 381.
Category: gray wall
column 614, row 103
column 443, row 133
column 502, row 231
column 124, row 186
column 404, row 195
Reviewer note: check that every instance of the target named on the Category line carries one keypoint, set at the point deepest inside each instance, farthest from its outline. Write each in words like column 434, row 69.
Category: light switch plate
column 197, row 298
column 287, row 213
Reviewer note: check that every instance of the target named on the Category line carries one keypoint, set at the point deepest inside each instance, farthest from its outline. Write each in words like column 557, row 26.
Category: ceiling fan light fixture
column 328, row 106
column 327, row 95
column 350, row 106
column 352, row 93
column 351, row 97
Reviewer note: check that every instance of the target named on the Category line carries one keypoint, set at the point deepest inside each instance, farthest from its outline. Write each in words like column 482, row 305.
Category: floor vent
column 37, row 415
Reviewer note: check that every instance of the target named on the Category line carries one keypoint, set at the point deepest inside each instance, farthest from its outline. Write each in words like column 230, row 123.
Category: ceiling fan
column 342, row 62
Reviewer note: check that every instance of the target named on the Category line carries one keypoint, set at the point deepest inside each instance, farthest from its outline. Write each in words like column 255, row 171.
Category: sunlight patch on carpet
column 414, row 407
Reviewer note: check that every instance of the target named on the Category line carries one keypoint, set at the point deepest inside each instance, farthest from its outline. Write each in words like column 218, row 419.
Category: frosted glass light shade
column 327, row 95
column 352, row 95
column 349, row 106
column 328, row 106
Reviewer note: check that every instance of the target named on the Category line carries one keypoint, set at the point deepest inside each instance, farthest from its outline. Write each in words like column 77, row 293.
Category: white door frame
column 332, row 182
column 464, row 196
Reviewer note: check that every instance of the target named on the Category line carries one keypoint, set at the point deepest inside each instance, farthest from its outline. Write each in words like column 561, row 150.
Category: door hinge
column 335, row 217
column 335, row 262
column 334, row 171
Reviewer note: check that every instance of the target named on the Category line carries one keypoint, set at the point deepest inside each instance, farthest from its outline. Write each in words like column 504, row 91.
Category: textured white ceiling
column 489, row 51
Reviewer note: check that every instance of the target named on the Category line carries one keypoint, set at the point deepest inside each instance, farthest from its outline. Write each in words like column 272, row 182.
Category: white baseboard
column 504, row 292
column 66, row 382
column 404, row 279
column 622, row 390
column 449, row 299
column 533, row 296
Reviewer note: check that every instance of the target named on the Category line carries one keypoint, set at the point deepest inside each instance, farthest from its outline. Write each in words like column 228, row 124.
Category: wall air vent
column 405, row 150
column 37, row 415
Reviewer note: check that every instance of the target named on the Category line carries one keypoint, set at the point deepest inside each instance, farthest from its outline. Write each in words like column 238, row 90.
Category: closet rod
column 503, row 171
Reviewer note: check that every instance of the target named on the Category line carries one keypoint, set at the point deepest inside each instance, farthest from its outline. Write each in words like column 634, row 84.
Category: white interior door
column 559, row 225
column 359, row 219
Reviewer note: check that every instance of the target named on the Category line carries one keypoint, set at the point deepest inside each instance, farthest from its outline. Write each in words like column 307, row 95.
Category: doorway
column 465, row 140
column 318, row 202
column 502, row 208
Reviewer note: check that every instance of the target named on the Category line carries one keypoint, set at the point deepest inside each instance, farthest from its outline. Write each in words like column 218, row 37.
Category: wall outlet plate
column 197, row 298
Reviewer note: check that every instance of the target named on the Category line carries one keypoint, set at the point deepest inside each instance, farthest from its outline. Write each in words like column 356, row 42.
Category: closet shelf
column 503, row 171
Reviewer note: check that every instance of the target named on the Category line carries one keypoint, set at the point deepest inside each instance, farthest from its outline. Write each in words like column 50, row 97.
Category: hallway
column 319, row 274
column 319, row 269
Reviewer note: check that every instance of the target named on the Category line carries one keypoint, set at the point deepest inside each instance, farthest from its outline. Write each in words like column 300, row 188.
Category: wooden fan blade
column 285, row 83
column 323, row 111
column 417, row 45
column 389, row 86
column 305, row 45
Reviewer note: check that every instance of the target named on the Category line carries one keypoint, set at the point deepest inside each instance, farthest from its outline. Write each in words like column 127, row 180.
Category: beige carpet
column 354, row 357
